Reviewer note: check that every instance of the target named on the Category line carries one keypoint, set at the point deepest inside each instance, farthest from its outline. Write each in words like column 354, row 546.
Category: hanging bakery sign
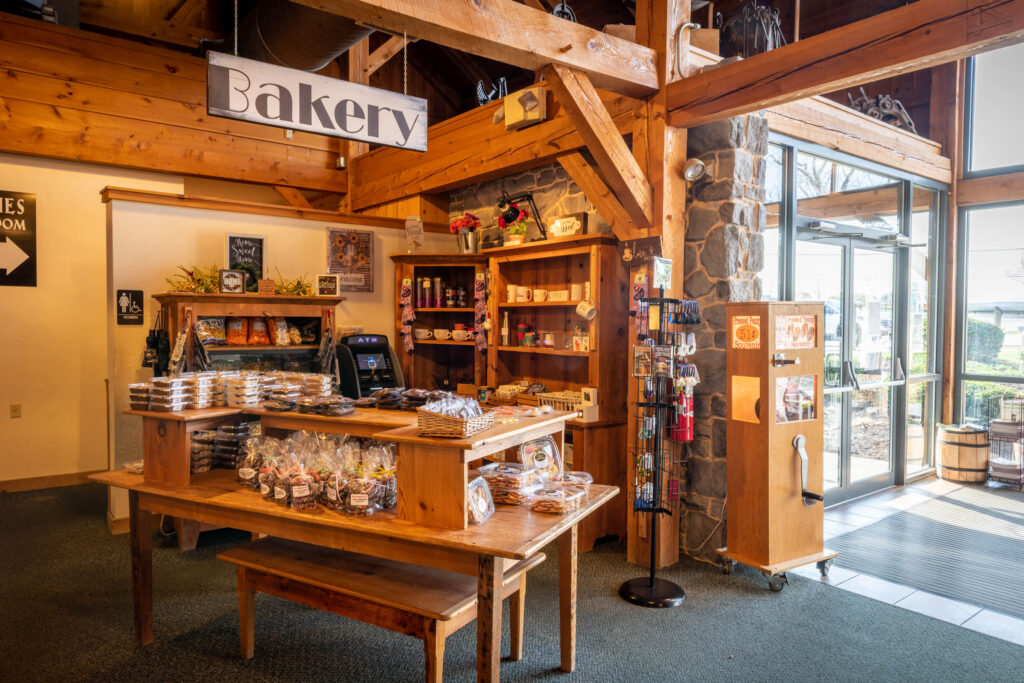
column 239, row 88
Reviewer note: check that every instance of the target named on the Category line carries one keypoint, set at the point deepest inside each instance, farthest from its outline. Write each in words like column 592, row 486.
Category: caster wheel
column 824, row 566
column 727, row 566
column 777, row 582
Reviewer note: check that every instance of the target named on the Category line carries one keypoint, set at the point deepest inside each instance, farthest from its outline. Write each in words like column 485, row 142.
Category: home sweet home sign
column 240, row 88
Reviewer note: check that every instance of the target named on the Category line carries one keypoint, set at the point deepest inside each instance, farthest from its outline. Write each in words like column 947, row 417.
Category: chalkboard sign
column 248, row 253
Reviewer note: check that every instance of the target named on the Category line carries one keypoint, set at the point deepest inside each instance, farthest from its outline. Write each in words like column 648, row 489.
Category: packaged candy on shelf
column 302, row 495
column 509, row 475
column 543, row 454
column 556, row 501
column 380, row 460
column 480, row 503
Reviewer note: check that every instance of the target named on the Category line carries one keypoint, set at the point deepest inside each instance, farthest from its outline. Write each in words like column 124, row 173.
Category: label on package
column 246, row 473
column 359, row 500
column 332, row 494
column 300, row 491
column 280, row 492
column 264, row 489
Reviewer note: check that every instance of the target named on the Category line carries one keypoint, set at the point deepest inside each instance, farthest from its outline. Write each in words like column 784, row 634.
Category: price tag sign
column 414, row 233
column 662, row 278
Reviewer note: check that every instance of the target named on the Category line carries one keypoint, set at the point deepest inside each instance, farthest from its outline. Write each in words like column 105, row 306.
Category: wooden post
column 488, row 620
column 141, row 537
column 567, row 557
column 246, row 613
column 516, row 620
column 660, row 151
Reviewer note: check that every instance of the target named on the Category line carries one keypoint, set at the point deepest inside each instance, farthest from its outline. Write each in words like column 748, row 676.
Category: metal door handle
column 850, row 375
column 809, row 498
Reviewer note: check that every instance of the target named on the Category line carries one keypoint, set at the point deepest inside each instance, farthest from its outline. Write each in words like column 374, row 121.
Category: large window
column 992, row 312
column 994, row 134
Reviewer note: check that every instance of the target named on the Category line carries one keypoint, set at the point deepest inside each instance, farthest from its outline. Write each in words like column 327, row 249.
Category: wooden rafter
column 358, row 56
column 506, row 31
column 293, row 197
column 186, row 12
column 170, row 32
column 596, row 126
column 379, row 57
column 598, row 192
column 920, row 35
column 467, row 65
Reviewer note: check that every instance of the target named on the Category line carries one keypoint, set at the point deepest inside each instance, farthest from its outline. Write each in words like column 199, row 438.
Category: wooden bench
column 423, row 602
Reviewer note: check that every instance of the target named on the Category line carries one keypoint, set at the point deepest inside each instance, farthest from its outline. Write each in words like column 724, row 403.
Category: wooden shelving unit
column 543, row 351
column 540, row 304
column 439, row 363
column 260, row 348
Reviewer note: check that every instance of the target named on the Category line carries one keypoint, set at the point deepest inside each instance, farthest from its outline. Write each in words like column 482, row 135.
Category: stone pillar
column 724, row 252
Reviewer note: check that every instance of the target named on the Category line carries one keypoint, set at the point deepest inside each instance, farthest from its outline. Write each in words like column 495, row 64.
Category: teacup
column 524, row 294
column 421, row 333
column 540, row 295
column 442, row 334
column 585, row 310
column 462, row 335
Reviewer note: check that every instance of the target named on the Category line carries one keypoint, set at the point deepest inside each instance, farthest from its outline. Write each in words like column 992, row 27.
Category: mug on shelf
column 421, row 333
column 462, row 335
column 524, row 294
column 510, row 294
column 558, row 295
column 442, row 334
column 575, row 292
column 585, row 310
column 540, row 295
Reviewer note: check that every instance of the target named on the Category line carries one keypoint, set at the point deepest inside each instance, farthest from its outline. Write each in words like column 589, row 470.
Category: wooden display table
column 512, row 534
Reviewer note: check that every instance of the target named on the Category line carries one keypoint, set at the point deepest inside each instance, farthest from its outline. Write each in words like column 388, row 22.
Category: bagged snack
column 249, row 467
column 480, row 503
column 278, row 330
column 294, row 336
column 211, row 331
column 258, row 332
column 380, row 460
column 237, row 331
column 556, row 501
column 302, row 495
column 543, row 454
column 310, row 331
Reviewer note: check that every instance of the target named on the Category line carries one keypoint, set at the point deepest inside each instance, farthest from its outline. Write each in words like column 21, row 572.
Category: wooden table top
column 385, row 419
column 499, row 432
column 513, row 532
column 186, row 415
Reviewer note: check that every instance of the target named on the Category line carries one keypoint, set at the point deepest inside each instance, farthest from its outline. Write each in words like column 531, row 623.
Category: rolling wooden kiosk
column 775, row 436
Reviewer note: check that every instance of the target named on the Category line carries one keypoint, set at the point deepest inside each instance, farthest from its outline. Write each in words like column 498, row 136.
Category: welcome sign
column 239, row 88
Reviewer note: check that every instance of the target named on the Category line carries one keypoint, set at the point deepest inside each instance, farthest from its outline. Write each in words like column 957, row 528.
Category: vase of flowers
column 465, row 231
column 515, row 230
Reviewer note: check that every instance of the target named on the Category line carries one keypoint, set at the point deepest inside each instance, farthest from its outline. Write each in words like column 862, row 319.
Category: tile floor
column 863, row 511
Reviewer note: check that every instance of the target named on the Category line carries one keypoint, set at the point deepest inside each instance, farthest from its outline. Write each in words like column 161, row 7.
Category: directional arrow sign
column 11, row 256
column 17, row 239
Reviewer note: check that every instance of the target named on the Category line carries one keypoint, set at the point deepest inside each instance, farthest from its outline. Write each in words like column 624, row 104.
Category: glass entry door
column 856, row 281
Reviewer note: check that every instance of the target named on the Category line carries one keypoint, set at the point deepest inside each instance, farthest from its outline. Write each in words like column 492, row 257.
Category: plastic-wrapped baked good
column 509, row 475
column 480, row 505
column 455, row 406
column 513, row 496
column 249, row 468
column 556, row 501
column 580, row 480
column 294, row 336
column 543, row 454
column 268, row 481
column 310, row 331
column 211, row 331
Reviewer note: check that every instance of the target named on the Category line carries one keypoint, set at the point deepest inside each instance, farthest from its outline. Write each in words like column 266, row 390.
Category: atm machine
column 367, row 363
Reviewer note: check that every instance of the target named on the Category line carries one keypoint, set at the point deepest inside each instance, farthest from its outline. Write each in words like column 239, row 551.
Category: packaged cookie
column 543, row 454
column 557, row 500
column 579, row 480
column 509, row 475
column 513, row 496
column 480, row 505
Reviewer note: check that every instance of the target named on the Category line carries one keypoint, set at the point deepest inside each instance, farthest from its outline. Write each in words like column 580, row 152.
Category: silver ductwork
column 296, row 36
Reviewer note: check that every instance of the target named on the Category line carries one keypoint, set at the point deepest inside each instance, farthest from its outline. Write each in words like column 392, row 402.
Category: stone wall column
column 723, row 254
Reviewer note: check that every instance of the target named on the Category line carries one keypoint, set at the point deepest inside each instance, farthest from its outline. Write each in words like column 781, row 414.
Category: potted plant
column 465, row 231
column 515, row 230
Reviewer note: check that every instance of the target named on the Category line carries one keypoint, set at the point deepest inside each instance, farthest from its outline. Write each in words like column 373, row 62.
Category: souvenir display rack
column 1006, row 436
column 663, row 426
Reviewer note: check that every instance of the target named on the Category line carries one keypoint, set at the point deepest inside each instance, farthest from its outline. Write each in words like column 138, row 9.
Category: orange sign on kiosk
column 775, row 438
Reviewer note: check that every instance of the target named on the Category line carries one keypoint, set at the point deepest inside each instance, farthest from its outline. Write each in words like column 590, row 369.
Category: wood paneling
column 926, row 33
column 508, row 32
column 69, row 94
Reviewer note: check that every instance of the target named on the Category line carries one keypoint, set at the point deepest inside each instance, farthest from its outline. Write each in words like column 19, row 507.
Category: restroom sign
column 17, row 239
column 128, row 304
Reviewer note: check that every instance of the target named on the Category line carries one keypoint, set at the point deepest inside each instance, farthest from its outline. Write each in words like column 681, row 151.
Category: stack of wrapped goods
column 203, row 444
column 204, row 386
column 243, row 391
column 138, row 395
column 229, row 449
column 170, row 394
column 316, row 385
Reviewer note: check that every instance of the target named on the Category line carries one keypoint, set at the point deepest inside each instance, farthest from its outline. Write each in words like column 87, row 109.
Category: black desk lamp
column 510, row 213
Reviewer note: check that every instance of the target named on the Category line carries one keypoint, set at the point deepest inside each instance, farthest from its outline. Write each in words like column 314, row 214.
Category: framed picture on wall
column 327, row 285
column 247, row 253
column 232, row 281
column 350, row 257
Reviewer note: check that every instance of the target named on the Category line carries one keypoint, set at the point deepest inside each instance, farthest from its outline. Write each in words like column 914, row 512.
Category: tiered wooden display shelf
column 439, row 363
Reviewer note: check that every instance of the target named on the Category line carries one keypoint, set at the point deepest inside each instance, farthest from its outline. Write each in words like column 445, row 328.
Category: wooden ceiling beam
column 170, row 32
column 379, row 57
column 506, row 31
column 597, row 128
column 293, row 197
column 920, row 35
column 597, row 191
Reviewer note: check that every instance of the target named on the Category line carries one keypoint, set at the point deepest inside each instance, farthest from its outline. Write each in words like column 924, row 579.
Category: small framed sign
column 247, row 253
column 327, row 285
column 265, row 286
column 232, row 281
column 350, row 256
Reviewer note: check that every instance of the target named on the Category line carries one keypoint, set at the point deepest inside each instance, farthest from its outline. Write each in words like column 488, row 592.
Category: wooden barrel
column 963, row 454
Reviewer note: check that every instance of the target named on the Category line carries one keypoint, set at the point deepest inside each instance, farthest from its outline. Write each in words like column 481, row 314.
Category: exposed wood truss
column 173, row 31
column 382, row 54
column 598, row 192
column 597, row 128
column 506, row 31
column 293, row 197
column 920, row 35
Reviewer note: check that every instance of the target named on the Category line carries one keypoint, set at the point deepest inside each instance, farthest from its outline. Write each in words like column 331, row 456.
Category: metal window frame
column 968, row 147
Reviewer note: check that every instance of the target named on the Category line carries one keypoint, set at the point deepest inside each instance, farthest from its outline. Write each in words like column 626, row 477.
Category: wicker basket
column 433, row 424
column 562, row 400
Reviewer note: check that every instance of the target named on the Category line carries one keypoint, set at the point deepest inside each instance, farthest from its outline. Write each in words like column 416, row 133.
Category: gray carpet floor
column 967, row 545
column 65, row 614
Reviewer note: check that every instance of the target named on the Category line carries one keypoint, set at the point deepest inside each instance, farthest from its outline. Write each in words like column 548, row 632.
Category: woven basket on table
column 433, row 424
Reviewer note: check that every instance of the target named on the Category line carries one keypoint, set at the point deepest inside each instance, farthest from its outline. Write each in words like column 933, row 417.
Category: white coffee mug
column 462, row 335
column 510, row 294
column 540, row 295
column 575, row 292
column 524, row 294
column 442, row 334
column 585, row 310
column 420, row 333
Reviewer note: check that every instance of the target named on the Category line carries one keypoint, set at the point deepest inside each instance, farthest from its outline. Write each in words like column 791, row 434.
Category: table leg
column 141, row 525
column 567, row 556
column 246, row 613
column 488, row 619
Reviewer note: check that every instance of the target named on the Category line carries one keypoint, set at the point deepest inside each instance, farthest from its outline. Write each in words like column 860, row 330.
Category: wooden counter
column 484, row 551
